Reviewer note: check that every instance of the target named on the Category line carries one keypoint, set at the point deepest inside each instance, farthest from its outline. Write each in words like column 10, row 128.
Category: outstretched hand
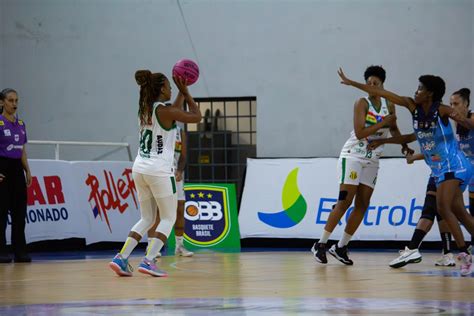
column 344, row 79
column 410, row 159
column 456, row 115
column 181, row 84
column 407, row 151
column 374, row 144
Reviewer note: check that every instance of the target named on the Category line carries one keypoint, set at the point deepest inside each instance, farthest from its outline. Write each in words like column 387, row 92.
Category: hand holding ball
column 186, row 69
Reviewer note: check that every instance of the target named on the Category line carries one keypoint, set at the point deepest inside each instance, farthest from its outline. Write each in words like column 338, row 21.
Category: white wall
column 73, row 61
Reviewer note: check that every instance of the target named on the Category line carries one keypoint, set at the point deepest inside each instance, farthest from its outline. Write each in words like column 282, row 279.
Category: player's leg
column 148, row 212
column 164, row 192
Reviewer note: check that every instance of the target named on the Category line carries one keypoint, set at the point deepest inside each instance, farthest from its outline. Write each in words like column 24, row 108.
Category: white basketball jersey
column 156, row 151
column 357, row 148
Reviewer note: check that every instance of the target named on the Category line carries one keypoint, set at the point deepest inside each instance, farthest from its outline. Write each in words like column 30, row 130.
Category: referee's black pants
column 13, row 200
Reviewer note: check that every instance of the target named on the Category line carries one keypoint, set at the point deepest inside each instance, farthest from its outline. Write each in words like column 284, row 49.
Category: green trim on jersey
column 159, row 122
column 173, row 184
column 343, row 170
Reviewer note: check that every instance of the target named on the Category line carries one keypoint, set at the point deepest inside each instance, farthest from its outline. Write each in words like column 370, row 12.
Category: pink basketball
column 187, row 69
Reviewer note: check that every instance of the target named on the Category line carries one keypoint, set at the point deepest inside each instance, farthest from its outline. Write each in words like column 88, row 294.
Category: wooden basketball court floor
column 247, row 283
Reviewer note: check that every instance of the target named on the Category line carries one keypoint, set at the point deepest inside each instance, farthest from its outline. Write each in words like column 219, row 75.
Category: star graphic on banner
column 209, row 195
column 201, row 195
column 193, row 195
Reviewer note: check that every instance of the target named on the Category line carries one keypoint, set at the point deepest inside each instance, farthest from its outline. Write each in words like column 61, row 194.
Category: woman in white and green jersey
column 374, row 118
column 153, row 170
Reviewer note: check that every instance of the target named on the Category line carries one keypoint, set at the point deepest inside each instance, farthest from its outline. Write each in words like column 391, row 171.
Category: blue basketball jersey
column 466, row 140
column 438, row 142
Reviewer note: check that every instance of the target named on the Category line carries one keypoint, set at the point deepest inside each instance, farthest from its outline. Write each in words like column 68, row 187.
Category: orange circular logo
column 192, row 210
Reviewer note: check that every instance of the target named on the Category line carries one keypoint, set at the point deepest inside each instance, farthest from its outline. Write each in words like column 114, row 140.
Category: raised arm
column 360, row 112
column 373, row 90
column 175, row 112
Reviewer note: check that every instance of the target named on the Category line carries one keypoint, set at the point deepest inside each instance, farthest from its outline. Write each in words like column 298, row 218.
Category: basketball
column 187, row 69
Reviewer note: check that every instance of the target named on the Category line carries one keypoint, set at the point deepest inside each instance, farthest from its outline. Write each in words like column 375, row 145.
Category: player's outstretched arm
column 373, row 90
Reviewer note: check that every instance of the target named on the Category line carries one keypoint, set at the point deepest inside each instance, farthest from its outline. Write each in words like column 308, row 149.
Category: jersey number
column 368, row 154
column 145, row 142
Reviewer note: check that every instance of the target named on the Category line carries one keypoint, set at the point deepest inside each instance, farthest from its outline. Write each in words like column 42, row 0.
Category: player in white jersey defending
column 153, row 170
column 179, row 164
column 357, row 168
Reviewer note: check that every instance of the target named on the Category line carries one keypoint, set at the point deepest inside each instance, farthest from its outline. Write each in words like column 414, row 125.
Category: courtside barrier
column 98, row 201
column 292, row 198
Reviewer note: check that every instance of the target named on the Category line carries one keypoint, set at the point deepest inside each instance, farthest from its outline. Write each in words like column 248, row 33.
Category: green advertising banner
column 211, row 220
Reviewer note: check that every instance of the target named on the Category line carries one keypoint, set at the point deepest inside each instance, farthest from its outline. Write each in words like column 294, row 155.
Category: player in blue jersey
column 441, row 152
column 465, row 132
column 460, row 101
column 411, row 253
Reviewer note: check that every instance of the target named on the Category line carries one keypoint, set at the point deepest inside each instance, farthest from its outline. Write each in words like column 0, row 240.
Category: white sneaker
column 446, row 260
column 406, row 256
column 181, row 251
column 466, row 263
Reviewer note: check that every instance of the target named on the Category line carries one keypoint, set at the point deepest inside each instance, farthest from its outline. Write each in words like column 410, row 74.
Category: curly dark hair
column 376, row 71
column 435, row 85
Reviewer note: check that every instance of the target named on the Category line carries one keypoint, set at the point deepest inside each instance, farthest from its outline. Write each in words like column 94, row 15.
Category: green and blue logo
column 294, row 205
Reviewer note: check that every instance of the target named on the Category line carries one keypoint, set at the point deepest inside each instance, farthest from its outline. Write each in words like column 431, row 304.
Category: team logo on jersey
column 294, row 205
column 353, row 175
column 178, row 146
column 436, row 158
column 207, row 215
column 372, row 118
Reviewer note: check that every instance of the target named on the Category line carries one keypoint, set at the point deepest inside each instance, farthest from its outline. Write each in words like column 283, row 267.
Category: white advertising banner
column 292, row 198
column 92, row 200
column 52, row 207
column 107, row 197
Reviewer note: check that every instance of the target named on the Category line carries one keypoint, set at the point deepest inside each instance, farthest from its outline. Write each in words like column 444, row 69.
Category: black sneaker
column 5, row 258
column 23, row 257
column 319, row 252
column 340, row 254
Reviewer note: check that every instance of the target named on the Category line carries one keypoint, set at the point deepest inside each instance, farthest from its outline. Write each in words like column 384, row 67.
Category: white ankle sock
column 344, row 240
column 179, row 241
column 128, row 247
column 325, row 237
column 154, row 248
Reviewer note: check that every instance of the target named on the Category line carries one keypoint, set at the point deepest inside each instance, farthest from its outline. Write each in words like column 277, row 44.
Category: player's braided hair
column 150, row 90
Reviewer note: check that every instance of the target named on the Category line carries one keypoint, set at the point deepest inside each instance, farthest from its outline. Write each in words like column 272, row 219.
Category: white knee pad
column 148, row 216
column 167, row 207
